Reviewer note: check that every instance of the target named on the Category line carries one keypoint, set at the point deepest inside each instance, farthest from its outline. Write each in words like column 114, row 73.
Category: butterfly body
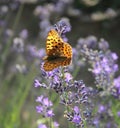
column 50, row 58
column 59, row 53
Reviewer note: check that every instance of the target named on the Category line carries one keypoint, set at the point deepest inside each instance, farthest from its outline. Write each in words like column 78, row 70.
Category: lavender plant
column 83, row 104
column 65, row 94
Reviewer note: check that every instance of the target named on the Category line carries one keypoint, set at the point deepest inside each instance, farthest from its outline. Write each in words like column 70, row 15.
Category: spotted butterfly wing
column 50, row 65
column 54, row 44
column 59, row 53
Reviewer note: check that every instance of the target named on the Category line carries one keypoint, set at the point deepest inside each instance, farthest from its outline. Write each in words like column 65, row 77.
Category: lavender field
column 59, row 64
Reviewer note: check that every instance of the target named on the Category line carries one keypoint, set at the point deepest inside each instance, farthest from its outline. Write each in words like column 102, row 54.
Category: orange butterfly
column 59, row 53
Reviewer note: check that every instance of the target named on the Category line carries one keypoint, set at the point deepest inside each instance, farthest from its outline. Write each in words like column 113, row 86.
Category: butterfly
column 59, row 53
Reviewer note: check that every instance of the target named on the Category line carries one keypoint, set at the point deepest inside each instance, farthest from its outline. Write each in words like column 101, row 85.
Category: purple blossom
column 97, row 68
column 76, row 93
column 118, row 113
column 56, row 125
column 62, row 27
column 68, row 77
column 91, row 41
column 115, row 67
column 39, row 99
column 76, row 119
column 24, row 34
column 39, row 109
column 103, row 65
column 34, row 52
column 76, row 110
column 111, row 125
column 103, row 45
column 117, row 82
column 75, row 116
column 96, row 122
column 50, row 113
column 42, row 126
column 114, row 56
column 56, row 79
column 44, row 107
column 117, row 86
column 101, row 109
column 37, row 83
column 46, row 102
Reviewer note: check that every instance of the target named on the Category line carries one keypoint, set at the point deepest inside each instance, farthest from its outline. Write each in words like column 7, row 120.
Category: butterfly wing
column 55, row 46
column 67, row 50
column 59, row 53
column 52, row 64
column 54, row 43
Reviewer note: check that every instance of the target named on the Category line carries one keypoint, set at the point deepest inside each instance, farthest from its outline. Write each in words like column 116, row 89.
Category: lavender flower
column 118, row 113
column 56, row 125
column 76, row 117
column 24, row 34
column 70, row 93
column 103, row 64
column 18, row 44
column 117, row 87
column 42, row 126
column 103, row 45
column 101, row 109
column 62, row 27
column 44, row 107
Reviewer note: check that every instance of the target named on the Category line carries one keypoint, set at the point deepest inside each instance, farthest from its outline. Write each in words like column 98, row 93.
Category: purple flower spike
column 44, row 107
column 62, row 27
